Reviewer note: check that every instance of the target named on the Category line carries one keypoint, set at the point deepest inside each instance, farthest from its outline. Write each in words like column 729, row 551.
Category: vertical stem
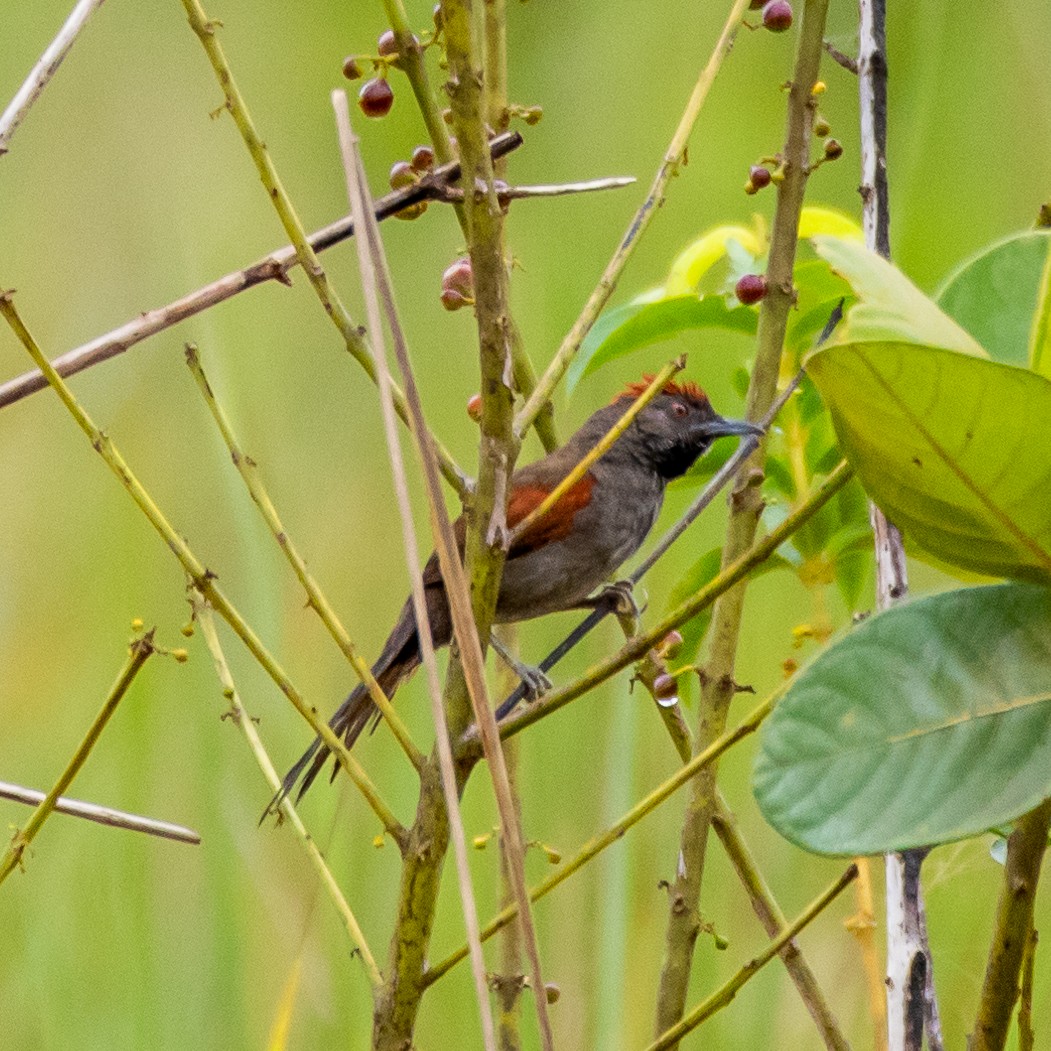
column 909, row 964
column 717, row 678
column 487, row 533
column 140, row 651
column 1014, row 922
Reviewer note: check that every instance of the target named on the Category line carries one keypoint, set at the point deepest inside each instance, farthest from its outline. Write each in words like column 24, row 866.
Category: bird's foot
column 534, row 681
column 618, row 598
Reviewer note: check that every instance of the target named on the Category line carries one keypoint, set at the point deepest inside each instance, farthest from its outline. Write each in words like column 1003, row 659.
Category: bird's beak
column 718, row 427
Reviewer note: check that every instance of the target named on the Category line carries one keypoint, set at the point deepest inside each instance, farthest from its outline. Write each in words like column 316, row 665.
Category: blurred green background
column 119, row 195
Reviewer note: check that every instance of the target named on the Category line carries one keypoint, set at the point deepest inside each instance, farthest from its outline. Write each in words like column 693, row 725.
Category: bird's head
column 677, row 426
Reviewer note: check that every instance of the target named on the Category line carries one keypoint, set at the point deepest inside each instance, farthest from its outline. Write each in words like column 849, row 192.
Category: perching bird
column 567, row 553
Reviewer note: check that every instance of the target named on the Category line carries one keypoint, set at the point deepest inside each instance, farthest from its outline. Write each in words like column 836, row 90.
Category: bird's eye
column 678, row 410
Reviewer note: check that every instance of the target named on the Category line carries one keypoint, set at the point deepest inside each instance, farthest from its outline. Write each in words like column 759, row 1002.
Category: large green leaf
column 955, row 449
column 891, row 307
column 928, row 723
column 646, row 321
column 994, row 295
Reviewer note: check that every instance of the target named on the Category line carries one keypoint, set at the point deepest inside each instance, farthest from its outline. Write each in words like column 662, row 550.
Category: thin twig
column 600, row 842
column 359, row 203
column 601, row 447
column 725, row 994
column 763, row 902
column 351, row 334
column 559, row 189
column 102, row 815
column 200, row 576
column 841, row 59
column 1014, row 921
column 248, row 469
column 674, row 157
column 140, row 650
column 45, row 68
column 276, row 266
column 905, row 1015
column 473, row 605
column 718, row 684
column 240, row 717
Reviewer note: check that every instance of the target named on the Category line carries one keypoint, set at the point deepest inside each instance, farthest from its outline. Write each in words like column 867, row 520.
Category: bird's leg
column 617, row 598
column 536, row 683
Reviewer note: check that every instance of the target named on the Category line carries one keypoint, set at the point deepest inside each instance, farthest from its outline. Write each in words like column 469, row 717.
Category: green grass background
column 119, row 195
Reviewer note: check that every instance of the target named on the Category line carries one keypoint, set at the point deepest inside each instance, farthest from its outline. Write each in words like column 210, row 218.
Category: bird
column 560, row 559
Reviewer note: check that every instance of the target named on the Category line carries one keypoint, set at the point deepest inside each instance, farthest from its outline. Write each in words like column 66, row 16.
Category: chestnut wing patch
column 556, row 524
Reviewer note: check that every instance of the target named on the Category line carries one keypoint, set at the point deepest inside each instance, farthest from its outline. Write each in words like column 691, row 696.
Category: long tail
column 399, row 659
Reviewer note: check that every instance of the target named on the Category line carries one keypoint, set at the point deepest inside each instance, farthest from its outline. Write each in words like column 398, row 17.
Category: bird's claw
column 535, row 682
column 619, row 597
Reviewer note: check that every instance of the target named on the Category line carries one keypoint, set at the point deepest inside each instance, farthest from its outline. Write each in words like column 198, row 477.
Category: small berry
column 136, row 624
column 412, row 211
column 474, row 407
column 453, row 300
column 422, row 158
column 759, row 176
column 777, row 16
column 552, row 993
column 671, row 644
column 387, row 46
column 532, row 114
column 833, row 149
column 821, row 127
column 459, row 277
column 351, row 69
column 182, row 656
column 665, row 686
column 751, row 288
column 819, row 88
column 376, row 97
column 187, row 629
column 402, row 174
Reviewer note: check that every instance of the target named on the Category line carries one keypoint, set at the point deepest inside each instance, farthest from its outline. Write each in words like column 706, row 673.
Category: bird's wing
column 555, row 524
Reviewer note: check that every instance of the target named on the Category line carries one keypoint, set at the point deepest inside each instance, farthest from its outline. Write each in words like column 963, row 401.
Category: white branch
column 44, row 70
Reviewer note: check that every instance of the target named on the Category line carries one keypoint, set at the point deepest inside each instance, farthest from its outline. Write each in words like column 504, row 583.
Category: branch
column 611, row 835
column 358, row 196
column 247, row 468
column 674, row 158
column 1014, row 922
column 725, row 994
column 486, row 543
column 201, row 577
column 559, row 189
column 202, row 613
column 45, row 68
column 139, row 652
column 273, row 267
column 351, row 334
column 910, row 966
column 746, row 503
column 102, row 815
column 763, row 902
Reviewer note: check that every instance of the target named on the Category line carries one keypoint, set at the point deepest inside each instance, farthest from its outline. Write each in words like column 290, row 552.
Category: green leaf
column 929, row 723
column 891, row 307
column 955, row 449
column 644, row 322
column 994, row 295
